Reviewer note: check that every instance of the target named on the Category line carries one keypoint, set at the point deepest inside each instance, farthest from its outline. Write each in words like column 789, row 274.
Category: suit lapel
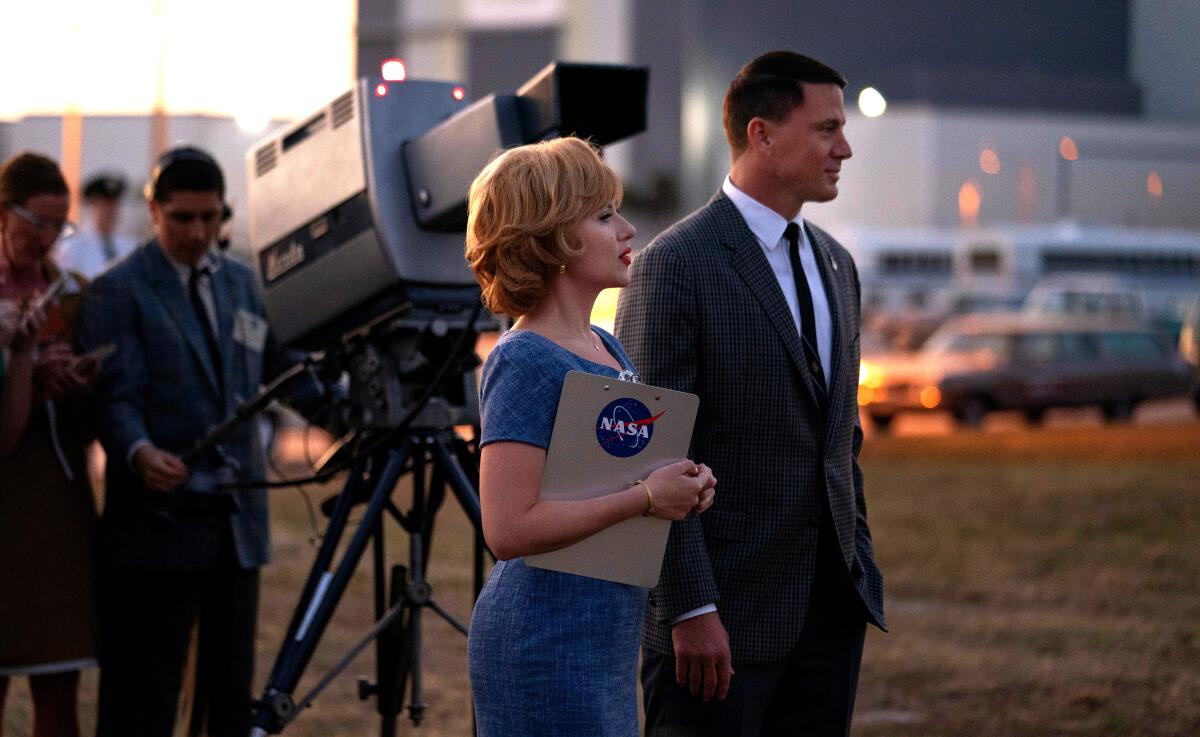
column 841, row 505
column 175, row 303
column 837, row 318
column 225, row 299
column 749, row 261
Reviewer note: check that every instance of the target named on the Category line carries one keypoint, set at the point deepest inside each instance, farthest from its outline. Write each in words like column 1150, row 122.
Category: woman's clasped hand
column 680, row 489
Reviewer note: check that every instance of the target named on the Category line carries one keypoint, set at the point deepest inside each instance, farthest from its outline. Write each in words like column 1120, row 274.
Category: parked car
column 1086, row 295
column 1105, row 297
column 979, row 363
column 1189, row 347
column 907, row 328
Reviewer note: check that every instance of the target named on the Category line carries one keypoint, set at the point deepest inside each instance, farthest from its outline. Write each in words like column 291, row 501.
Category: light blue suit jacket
column 160, row 385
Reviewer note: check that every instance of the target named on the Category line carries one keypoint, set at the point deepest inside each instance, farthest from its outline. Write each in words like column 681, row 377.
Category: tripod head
column 418, row 357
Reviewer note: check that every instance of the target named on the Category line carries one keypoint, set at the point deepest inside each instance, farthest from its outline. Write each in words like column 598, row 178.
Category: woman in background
column 47, row 515
column 18, row 329
column 553, row 653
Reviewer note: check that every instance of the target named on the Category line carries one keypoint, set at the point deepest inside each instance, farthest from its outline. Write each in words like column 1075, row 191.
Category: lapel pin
column 833, row 263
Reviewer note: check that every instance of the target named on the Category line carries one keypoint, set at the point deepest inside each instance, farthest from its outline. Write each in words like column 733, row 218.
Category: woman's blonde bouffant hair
column 522, row 209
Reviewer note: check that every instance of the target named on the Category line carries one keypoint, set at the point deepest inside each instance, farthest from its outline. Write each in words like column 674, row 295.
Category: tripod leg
column 392, row 658
column 467, row 493
column 460, row 484
column 388, row 697
column 277, row 707
column 418, row 589
column 467, row 455
column 318, row 576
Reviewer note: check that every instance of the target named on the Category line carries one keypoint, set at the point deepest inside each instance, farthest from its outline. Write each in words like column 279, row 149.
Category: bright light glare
column 393, row 70
column 969, row 200
column 930, row 397
column 604, row 309
column 989, row 161
column 252, row 121
column 102, row 57
column 380, row 89
column 458, row 93
column 871, row 102
column 1067, row 149
column 870, row 374
column 1154, row 185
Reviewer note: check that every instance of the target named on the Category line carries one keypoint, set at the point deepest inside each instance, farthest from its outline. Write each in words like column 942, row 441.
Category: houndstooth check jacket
column 704, row 313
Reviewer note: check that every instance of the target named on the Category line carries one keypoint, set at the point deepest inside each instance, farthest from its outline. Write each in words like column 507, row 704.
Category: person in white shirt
column 98, row 244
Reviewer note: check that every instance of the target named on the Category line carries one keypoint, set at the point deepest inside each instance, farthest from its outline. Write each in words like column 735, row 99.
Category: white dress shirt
column 211, row 265
column 768, row 226
column 83, row 252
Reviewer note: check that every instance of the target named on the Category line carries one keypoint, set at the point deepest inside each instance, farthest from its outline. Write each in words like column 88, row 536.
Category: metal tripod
column 437, row 458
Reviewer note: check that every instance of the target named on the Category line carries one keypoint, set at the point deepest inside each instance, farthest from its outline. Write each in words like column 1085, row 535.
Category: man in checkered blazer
column 758, row 622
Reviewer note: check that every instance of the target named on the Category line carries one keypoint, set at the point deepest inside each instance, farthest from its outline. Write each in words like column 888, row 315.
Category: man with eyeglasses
column 191, row 344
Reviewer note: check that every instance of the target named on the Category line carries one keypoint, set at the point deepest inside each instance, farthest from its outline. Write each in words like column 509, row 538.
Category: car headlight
column 930, row 397
column 870, row 375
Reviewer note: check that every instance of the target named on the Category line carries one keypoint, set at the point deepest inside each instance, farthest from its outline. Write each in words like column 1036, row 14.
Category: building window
column 985, row 262
column 1132, row 263
column 915, row 263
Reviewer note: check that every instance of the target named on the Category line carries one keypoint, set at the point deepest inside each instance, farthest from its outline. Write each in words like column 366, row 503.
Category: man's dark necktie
column 210, row 337
column 808, row 323
column 109, row 248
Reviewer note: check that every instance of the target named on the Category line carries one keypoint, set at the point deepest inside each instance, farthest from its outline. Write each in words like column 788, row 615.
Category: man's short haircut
column 770, row 87
column 522, row 209
column 107, row 186
column 185, row 169
column 27, row 175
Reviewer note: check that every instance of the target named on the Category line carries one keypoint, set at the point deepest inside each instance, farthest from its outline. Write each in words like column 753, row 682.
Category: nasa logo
column 625, row 427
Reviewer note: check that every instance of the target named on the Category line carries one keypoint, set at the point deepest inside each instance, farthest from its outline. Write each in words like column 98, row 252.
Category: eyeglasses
column 59, row 230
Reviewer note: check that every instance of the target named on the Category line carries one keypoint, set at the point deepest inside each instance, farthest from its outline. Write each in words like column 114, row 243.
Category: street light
column 871, row 103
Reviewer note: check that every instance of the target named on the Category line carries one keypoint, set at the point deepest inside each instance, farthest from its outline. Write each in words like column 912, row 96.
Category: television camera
column 357, row 216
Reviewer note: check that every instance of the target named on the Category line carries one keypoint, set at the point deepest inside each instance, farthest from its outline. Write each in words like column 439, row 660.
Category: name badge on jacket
column 250, row 330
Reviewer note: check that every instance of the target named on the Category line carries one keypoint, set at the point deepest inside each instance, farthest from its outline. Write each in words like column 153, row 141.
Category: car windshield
column 995, row 345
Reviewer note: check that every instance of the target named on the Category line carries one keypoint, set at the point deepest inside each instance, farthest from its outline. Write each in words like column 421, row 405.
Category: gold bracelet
column 649, row 498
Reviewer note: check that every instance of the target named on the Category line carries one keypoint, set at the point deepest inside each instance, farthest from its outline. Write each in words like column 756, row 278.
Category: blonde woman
column 553, row 653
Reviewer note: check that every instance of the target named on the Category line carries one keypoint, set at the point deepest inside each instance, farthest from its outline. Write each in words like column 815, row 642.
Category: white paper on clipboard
column 607, row 435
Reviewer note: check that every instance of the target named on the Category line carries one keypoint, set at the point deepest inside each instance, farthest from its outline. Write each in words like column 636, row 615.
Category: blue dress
column 549, row 653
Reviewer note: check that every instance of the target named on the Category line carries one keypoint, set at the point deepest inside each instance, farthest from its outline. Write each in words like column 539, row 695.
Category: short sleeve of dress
column 518, row 394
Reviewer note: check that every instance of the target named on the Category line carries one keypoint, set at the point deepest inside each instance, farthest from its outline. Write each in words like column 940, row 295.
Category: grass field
column 1039, row 582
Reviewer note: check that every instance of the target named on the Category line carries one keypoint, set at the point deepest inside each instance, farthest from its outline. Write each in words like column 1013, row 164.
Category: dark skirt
column 48, row 527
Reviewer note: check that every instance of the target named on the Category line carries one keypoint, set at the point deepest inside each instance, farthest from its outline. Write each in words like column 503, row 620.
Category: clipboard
column 608, row 434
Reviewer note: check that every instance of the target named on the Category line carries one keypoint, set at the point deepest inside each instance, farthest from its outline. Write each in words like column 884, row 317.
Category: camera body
column 331, row 226
column 357, row 215
column 358, row 211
